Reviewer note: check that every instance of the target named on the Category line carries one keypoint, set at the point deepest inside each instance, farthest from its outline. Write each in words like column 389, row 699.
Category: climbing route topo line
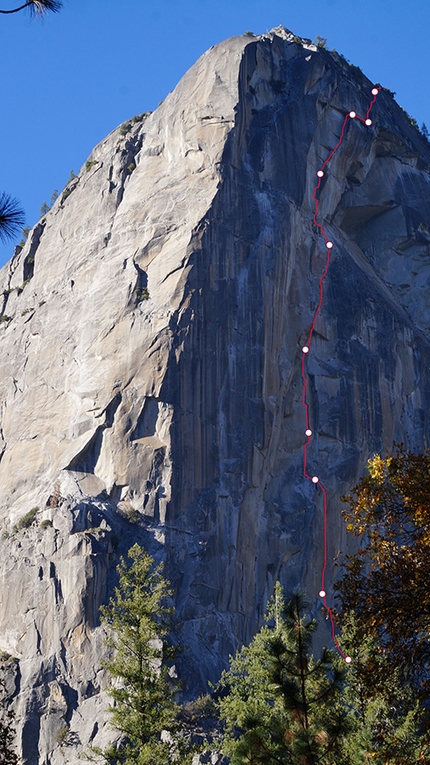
column 307, row 347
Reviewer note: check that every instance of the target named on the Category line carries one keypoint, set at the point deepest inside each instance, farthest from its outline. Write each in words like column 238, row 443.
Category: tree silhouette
column 12, row 216
column 38, row 7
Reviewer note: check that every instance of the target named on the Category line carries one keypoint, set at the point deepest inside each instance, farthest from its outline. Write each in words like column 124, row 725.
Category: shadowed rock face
column 151, row 363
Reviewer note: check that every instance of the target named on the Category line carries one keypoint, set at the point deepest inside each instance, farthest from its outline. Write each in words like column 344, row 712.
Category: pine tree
column 12, row 217
column 279, row 703
column 38, row 7
column 138, row 619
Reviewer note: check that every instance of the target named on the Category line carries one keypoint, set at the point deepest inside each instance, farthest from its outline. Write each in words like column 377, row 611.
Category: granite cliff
column 151, row 332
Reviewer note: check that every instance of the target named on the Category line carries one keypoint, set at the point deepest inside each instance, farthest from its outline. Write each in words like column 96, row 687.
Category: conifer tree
column 38, row 7
column 12, row 217
column 279, row 703
column 138, row 619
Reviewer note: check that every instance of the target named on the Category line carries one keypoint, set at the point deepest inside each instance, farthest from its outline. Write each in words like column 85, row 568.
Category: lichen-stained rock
column 150, row 340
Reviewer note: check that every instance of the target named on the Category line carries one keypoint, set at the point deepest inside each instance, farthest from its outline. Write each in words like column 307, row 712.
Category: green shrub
column 297, row 40
column 25, row 233
column 26, row 521
column 64, row 196
column 202, row 708
column 66, row 193
column 20, row 289
column 137, row 118
column 320, row 42
column 63, row 734
column 4, row 318
column 131, row 167
column 125, row 128
column 411, row 119
column 46, row 523
column 142, row 294
column 249, row 33
column 89, row 164
column 130, row 512
column 7, row 658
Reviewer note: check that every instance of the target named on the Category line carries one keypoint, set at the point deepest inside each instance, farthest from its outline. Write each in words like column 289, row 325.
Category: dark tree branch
column 12, row 217
column 38, row 7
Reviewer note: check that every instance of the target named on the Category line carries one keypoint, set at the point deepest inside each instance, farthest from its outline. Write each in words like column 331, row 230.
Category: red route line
column 306, row 348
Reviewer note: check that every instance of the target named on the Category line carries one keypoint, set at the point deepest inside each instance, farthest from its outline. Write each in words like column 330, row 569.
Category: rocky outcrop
column 150, row 383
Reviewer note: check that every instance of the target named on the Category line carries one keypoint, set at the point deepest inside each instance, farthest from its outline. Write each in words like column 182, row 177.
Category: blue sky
column 71, row 79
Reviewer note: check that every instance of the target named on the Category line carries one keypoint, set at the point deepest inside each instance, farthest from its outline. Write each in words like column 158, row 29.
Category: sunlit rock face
column 151, row 341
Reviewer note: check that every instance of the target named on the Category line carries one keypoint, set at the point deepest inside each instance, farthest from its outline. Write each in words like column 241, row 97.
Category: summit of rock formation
column 150, row 386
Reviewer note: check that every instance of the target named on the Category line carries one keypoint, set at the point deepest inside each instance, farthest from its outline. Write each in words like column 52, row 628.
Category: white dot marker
column 315, row 479
column 305, row 349
column 352, row 115
column 308, row 432
column 320, row 173
column 368, row 122
column 329, row 245
column 322, row 593
column 375, row 91
column 348, row 659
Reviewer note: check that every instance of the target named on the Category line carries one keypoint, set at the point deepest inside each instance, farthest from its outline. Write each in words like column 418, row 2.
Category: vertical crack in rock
column 140, row 289
column 34, row 242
